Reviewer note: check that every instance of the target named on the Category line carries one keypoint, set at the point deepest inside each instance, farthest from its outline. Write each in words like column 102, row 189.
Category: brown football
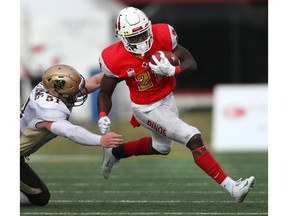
column 172, row 58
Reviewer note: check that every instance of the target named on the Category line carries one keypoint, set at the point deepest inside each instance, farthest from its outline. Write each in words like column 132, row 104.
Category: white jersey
column 41, row 106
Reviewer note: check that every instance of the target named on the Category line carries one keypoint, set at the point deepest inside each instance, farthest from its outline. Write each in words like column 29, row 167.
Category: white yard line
column 145, row 213
column 148, row 201
column 148, row 192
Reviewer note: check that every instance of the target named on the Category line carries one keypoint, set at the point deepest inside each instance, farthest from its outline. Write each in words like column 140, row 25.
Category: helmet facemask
column 82, row 95
column 74, row 99
column 139, row 43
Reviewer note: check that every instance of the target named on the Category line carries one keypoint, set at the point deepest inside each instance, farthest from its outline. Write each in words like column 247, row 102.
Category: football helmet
column 67, row 82
column 133, row 27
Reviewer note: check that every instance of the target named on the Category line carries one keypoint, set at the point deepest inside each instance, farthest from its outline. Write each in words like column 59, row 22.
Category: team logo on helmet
column 67, row 82
column 59, row 84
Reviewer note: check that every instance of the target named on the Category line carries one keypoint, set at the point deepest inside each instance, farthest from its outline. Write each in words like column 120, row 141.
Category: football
column 172, row 58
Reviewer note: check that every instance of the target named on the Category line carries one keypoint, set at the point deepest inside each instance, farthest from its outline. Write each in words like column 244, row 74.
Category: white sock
column 228, row 184
column 24, row 201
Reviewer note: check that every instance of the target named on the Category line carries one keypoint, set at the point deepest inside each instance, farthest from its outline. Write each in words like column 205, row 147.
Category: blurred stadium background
column 227, row 99
column 228, row 39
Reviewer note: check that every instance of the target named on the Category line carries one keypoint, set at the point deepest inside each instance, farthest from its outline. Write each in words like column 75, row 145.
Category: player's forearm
column 188, row 65
column 93, row 83
column 104, row 103
column 75, row 133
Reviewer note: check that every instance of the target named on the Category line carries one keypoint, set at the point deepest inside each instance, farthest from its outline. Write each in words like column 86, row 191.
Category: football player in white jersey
column 45, row 115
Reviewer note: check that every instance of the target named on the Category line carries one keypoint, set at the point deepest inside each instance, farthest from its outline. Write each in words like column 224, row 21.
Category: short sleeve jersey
column 145, row 86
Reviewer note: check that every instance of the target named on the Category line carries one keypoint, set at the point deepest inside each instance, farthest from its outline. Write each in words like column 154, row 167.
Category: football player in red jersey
column 151, row 92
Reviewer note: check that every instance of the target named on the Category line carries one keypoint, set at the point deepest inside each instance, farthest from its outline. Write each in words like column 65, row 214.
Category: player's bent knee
column 195, row 142
column 41, row 199
column 164, row 150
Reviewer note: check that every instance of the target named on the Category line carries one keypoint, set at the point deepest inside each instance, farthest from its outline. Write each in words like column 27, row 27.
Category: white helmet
column 133, row 27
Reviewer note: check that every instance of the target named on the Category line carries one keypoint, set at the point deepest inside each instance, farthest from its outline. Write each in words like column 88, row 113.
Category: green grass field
column 148, row 185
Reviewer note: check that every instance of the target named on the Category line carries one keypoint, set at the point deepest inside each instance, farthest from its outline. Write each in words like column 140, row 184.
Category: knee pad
column 39, row 196
column 41, row 199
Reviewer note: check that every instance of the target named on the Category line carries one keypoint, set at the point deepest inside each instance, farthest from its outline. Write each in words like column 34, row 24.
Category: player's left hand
column 162, row 67
column 104, row 124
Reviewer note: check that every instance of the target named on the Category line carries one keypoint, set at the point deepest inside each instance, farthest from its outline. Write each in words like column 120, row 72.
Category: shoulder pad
column 50, row 108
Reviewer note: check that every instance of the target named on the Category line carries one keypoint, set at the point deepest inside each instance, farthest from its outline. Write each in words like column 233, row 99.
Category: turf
column 148, row 185
column 152, row 185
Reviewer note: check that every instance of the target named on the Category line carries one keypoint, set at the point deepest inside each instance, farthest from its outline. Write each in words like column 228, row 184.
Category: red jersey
column 145, row 86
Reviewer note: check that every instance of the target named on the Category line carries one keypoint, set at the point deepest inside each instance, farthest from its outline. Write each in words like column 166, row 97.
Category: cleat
column 242, row 188
column 108, row 162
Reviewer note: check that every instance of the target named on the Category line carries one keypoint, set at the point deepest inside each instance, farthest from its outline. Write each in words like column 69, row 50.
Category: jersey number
column 145, row 81
column 37, row 96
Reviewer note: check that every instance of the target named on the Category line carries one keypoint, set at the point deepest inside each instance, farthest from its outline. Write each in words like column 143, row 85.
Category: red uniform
column 145, row 86
column 153, row 104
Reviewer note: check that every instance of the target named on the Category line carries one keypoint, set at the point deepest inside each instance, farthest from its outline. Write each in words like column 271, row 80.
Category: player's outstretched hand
column 111, row 140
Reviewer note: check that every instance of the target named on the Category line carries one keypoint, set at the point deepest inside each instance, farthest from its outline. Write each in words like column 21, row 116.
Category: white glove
column 104, row 124
column 162, row 67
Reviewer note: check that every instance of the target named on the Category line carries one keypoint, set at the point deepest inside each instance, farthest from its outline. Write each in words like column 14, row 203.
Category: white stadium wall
column 74, row 35
column 240, row 118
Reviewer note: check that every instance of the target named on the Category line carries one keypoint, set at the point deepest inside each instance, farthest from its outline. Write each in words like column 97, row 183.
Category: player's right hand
column 162, row 67
column 111, row 140
column 104, row 124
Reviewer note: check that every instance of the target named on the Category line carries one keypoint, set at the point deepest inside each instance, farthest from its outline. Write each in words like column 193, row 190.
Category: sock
column 209, row 165
column 228, row 184
column 142, row 146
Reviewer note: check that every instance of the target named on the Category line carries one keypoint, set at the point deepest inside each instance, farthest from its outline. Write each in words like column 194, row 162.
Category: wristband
column 177, row 69
column 102, row 114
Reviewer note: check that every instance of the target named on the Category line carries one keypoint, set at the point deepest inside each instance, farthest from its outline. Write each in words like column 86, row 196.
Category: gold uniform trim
column 29, row 190
column 30, row 138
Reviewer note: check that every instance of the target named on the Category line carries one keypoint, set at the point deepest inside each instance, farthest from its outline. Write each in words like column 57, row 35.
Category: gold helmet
column 67, row 82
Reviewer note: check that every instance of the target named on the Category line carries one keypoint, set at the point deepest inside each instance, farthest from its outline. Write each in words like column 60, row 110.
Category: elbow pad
column 75, row 133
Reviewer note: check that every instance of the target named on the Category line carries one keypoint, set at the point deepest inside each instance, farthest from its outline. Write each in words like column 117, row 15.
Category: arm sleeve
column 75, row 133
